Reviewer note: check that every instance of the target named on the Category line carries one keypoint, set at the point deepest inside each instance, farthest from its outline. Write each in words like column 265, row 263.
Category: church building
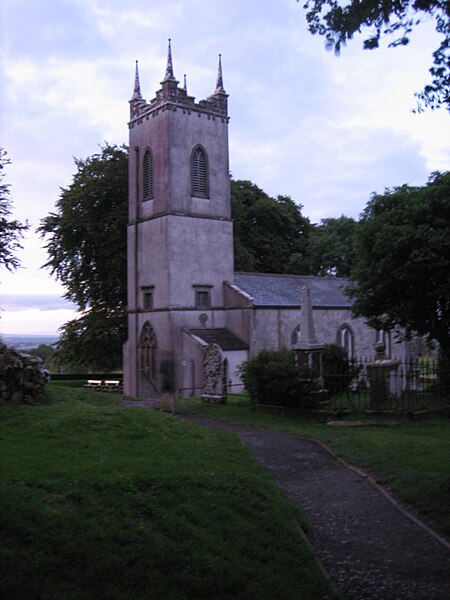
column 188, row 311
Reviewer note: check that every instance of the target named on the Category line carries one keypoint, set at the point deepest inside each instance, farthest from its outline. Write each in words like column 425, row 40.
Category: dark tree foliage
column 339, row 21
column 43, row 351
column 272, row 377
column 330, row 249
column 402, row 274
column 94, row 341
column 87, row 250
column 338, row 370
column 267, row 231
column 10, row 230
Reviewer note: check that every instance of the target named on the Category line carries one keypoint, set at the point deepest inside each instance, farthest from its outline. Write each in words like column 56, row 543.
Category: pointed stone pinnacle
column 219, row 83
column 169, row 76
column 137, row 86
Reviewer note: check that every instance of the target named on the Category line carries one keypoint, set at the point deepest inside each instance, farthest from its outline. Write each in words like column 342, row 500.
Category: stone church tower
column 180, row 238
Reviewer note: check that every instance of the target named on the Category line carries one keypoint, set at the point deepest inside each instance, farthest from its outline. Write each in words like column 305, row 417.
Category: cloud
column 41, row 302
column 326, row 131
column 34, row 321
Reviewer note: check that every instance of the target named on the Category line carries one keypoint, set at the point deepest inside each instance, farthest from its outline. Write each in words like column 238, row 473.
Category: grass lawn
column 412, row 459
column 99, row 501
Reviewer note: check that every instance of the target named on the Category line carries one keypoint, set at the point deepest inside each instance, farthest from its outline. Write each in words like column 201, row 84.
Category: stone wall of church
column 275, row 328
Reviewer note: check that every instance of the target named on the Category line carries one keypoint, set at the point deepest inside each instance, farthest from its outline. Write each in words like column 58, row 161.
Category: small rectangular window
column 147, row 298
column 202, row 295
column 202, row 299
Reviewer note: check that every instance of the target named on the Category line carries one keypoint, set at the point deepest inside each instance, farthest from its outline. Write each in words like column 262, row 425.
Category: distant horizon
column 9, row 336
column 23, row 342
column 28, row 334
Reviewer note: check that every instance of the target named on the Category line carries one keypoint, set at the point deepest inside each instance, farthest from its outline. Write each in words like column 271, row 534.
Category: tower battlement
column 173, row 97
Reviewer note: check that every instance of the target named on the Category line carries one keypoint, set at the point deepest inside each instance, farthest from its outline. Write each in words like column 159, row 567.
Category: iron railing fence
column 392, row 386
column 388, row 385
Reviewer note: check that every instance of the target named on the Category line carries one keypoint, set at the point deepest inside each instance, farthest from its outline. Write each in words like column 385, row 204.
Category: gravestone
column 214, row 388
column 384, row 384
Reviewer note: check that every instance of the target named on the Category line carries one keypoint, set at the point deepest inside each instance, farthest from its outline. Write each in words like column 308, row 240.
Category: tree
column 330, row 247
column 87, row 250
column 402, row 274
column 267, row 231
column 339, row 21
column 10, row 230
column 43, row 351
column 93, row 341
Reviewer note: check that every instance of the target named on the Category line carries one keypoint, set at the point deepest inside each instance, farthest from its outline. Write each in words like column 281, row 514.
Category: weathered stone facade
column 180, row 234
column 183, row 293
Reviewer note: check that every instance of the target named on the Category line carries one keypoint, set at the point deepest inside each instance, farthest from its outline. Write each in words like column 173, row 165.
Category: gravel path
column 368, row 546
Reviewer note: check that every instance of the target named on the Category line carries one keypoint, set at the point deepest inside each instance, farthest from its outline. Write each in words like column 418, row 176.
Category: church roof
column 270, row 290
column 221, row 336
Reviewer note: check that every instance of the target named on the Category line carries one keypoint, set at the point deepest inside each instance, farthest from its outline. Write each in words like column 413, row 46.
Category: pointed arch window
column 147, row 187
column 147, row 352
column 199, row 173
column 345, row 339
column 295, row 336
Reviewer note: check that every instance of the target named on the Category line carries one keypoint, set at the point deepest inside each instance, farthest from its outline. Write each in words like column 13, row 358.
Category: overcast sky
column 327, row 131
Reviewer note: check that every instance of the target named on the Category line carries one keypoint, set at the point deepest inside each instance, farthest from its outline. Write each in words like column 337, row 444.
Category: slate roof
column 270, row 290
column 221, row 336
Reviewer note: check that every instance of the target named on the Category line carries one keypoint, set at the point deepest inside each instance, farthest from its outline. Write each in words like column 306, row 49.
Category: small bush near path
column 411, row 459
column 103, row 501
column 272, row 377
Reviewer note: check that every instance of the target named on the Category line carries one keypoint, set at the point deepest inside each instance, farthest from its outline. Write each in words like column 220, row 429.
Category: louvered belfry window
column 148, row 176
column 199, row 173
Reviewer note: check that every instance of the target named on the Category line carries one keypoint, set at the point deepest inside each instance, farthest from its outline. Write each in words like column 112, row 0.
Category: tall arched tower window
column 199, row 173
column 148, row 175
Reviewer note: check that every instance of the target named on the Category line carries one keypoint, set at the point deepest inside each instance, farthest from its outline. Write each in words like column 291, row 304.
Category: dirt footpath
column 370, row 549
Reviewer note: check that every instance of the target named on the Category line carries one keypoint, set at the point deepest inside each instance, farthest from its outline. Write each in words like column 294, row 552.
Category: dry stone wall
column 22, row 377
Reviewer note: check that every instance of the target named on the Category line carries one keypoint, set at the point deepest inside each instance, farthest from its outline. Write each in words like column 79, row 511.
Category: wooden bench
column 93, row 384
column 112, row 385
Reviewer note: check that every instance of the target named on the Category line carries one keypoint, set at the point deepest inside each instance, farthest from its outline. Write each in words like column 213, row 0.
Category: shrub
column 272, row 377
column 338, row 370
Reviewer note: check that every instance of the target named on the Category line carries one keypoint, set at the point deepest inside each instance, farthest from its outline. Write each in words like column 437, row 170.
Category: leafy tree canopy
column 94, row 341
column 330, row 247
column 339, row 21
column 267, row 231
column 402, row 274
column 87, row 253
column 10, row 230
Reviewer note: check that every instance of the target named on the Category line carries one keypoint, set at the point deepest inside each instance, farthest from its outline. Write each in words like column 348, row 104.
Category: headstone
column 214, row 388
column 384, row 385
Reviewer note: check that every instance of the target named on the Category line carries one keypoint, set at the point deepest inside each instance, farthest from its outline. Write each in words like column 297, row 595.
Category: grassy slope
column 413, row 459
column 101, row 501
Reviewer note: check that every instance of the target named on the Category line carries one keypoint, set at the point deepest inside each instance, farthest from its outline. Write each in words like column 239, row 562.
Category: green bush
column 338, row 370
column 272, row 377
